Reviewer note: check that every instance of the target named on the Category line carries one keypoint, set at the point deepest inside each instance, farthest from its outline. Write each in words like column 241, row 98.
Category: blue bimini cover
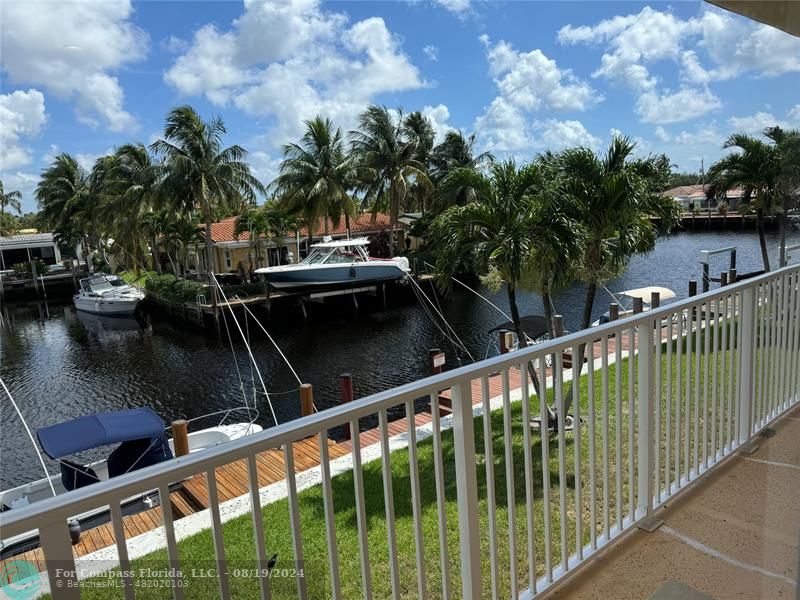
column 99, row 429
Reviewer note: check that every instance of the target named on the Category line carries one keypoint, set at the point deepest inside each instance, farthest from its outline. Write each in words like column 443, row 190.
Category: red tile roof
column 698, row 191
column 363, row 224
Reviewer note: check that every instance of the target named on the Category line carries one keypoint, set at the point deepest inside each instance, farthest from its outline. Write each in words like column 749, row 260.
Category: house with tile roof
column 239, row 254
column 696, row 196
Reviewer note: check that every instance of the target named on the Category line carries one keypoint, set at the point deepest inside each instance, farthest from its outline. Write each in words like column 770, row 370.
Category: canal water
column 61, row 364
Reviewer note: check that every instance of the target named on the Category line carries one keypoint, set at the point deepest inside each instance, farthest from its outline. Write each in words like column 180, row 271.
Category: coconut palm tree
column 254, row 222
column 63, row 197
column 315, row 176
column 129, row 195
column 455, row 152
column 615, row 198
column 10, row 200
column 756, row 168
column 387, row 161
column 279, row 224
column 201, row 172
column 787, row 145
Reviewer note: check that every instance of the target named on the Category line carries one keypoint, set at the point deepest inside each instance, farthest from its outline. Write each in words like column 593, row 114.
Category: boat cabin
column 339, row 251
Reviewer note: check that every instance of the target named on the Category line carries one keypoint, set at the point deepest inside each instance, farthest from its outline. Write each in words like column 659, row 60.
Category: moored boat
column 107, row 295
column 141, row 437
column 336, row 264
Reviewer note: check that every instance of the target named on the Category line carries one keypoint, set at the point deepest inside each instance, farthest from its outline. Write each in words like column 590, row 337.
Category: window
column 227, row 259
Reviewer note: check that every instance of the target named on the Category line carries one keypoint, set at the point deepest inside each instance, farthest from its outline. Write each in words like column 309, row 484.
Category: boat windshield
column 101, row 285
column 317, row 256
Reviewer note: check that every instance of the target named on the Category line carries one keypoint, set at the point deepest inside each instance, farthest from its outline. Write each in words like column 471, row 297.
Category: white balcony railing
column 667, row 395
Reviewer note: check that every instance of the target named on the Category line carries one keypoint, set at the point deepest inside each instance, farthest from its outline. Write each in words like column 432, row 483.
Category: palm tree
column 387, row 161
column 201, row 172
column 129, row 197
column 617, row 201
column 756, row 169
column 417, row 126
column 509, row 226
column 315, row 176
column 279, row 224
column 455, row 152
column 62, row 194
column 10, row 200
column 254, row 221
column 787, row 144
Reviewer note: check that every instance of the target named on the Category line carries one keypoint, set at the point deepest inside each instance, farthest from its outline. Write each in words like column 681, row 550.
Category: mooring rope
column 249, row 350
column 30, row 435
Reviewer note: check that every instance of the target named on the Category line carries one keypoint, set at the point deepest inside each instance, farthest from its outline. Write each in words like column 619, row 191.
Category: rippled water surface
column 61, row 364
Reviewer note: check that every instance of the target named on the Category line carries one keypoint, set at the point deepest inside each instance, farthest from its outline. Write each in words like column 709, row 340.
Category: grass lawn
column 197, row 552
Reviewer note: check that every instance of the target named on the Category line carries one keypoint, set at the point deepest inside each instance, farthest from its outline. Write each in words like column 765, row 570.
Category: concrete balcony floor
column 734, row 535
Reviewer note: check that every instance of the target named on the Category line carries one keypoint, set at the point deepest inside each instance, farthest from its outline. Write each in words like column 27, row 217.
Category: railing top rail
column 64, row 506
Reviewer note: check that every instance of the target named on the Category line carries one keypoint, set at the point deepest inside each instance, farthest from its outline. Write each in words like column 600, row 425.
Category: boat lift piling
column 180, row 437
column 706, row 262
column 306, row 400
column 346, row 390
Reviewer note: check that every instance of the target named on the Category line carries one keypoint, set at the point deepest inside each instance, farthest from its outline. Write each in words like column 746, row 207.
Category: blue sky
column 84, row 77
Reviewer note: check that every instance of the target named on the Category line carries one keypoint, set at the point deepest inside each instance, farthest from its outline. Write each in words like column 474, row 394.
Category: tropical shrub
column 171, row 288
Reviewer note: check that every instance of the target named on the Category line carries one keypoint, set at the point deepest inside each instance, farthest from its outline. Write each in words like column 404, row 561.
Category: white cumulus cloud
column 70, row 49
column 713, row 46
column 292, row 60
column 432, row 52
column 22, row 115
column 760, row 120
column 438, row 116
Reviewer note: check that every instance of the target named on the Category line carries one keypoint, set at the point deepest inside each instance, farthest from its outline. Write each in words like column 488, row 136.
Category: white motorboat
column 107, row 295
column 142, row 440
column 625, row 301
column 336, row 264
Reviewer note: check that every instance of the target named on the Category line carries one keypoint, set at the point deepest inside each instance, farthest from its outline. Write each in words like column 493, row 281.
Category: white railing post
column 57, row 548
column 467, row 497
column 747, row 354
column 645, row 422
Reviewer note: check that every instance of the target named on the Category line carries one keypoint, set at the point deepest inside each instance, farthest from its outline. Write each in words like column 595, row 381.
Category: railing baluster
column 658, row 340
column 668, row 421
column 761, row 355
column 606, row 445
column 416, row 503
column 510, row 496
column 491, row 503
column 725, row 377
column 706, row 381
column 544, row 431
column 632, row 341
column 618, row 422
column 55, row 543
column 746, row 362
column 388, row 498
column 528, row 461
column 172, row 544
column 776, row 336
column 696, row 421
column 687, row 406
column 438, row 470
column 361, row 510
column 795, row 391
column 122, row 549
column 576, row 436
column 330, row 519
column 467, row 485
column 592, row 449
column 558, row 386
column 294, row 520
column 732, row 372
column 258, row 527
column 714, row 381
column 645, row 421
column 216, row 533
column 678, row 400
column 785, row 312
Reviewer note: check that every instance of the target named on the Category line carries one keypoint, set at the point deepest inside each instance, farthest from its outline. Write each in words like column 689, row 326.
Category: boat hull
column 99, row 306
column 333, row 276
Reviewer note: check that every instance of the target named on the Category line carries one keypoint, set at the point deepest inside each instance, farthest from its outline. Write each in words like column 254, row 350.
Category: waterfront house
column 238, row 253
column 25, row 247
column 696, row 196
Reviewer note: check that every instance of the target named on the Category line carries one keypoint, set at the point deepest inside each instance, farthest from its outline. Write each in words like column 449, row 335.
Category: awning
column 99, row 429
column 534, row 326
column 646, row 293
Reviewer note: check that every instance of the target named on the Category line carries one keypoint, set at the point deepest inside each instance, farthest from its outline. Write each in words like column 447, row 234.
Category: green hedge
column 172, row 288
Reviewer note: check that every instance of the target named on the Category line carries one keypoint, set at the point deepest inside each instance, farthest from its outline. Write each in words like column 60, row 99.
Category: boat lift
column 705, row 260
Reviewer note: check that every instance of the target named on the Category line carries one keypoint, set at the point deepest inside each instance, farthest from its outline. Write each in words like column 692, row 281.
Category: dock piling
column 346, row 390
column 306, row 400
column 723, row 279
column 613, row 311
column 180, row 437
column 638, row 306
column 732, row 276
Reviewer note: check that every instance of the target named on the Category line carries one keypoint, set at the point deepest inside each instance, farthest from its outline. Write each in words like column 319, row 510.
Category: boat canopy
column 342, row 243
column 534, row 326
column 646, row 293
column 99, row 429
